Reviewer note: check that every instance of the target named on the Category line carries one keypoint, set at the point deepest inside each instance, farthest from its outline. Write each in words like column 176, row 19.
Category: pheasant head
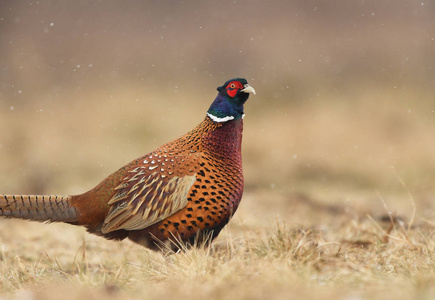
column 228, row 104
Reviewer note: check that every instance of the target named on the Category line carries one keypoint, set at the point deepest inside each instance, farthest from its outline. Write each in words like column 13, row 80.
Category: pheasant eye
column 232, row 85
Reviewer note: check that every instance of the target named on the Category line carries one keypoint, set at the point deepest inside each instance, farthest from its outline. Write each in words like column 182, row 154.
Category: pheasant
column 182, row 193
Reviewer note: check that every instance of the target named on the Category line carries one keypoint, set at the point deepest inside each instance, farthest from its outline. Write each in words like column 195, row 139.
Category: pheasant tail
column 38, row 208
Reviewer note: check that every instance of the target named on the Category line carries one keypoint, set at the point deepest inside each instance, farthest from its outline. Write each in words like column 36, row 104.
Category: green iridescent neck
column 225, row 109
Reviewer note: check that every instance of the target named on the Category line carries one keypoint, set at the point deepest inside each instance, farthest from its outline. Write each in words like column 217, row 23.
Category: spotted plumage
column 182, row 192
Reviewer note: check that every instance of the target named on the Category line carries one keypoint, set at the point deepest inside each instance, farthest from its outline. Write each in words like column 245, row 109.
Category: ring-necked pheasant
column 181, row 192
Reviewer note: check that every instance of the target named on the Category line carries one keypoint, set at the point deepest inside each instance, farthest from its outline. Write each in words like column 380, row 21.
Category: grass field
column 338, row 143
column 349, row 215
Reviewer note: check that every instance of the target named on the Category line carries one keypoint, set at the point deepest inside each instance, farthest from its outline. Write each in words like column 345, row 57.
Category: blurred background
column 344, row 110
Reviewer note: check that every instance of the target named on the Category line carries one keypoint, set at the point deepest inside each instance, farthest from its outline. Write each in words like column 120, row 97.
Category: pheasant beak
column 248, row 89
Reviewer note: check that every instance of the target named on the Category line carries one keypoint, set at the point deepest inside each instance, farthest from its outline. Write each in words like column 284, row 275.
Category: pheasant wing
column 153, row 191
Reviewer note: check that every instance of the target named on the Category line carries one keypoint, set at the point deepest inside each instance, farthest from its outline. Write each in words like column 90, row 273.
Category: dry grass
column 333, row 222
column 355, row 256
column 338, row 144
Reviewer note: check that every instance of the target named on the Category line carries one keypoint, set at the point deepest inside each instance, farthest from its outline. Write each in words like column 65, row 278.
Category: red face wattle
column 233, row 87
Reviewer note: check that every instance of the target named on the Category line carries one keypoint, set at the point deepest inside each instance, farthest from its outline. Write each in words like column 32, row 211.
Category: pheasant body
column 182, row 192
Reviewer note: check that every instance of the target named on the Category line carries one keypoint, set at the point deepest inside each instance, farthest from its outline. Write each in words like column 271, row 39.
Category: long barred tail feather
column 38, row 208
